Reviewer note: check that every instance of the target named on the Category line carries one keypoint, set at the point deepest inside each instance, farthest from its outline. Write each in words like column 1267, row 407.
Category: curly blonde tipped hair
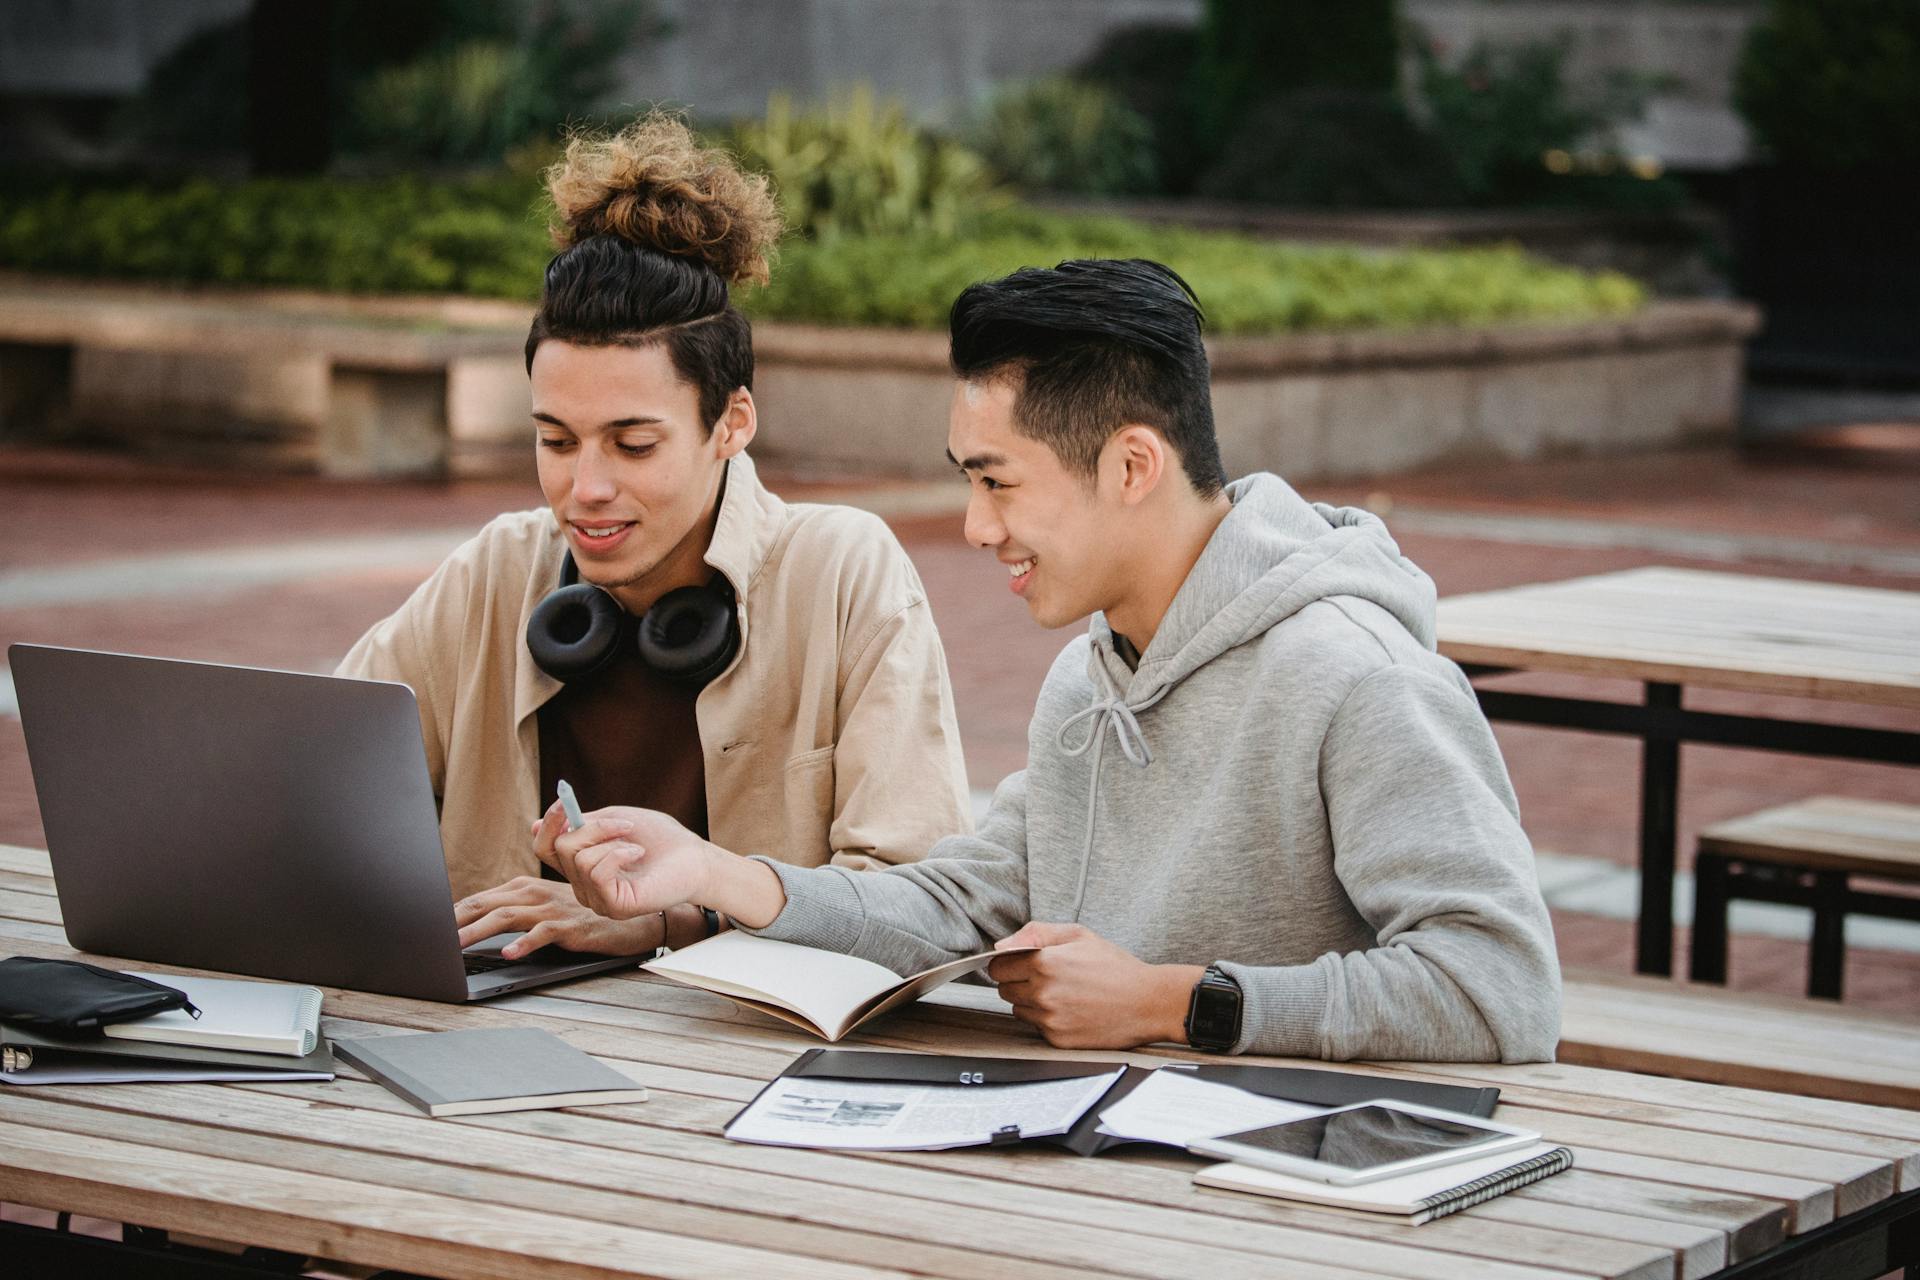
column 654, row 185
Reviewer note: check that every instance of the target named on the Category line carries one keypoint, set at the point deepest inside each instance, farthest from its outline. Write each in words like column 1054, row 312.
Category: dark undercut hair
column 1094, row 345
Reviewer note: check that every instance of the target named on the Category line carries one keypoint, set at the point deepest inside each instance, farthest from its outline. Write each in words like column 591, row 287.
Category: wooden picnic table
column 1673, row 1179
column 1674, row 628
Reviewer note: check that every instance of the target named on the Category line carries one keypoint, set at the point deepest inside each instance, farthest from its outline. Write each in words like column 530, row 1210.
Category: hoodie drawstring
column 1112, row 712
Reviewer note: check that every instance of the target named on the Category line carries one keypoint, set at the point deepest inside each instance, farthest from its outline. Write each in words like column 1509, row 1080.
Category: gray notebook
column 464, row 1073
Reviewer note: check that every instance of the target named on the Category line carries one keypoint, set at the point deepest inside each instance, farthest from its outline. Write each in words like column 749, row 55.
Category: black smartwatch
column 1213, row 1016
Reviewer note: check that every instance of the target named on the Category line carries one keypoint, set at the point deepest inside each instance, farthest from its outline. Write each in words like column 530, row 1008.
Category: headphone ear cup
column 573, row 632
column 689, row 634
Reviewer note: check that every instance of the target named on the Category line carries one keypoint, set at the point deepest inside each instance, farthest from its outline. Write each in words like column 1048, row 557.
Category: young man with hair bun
column 1260, row 813
column 666, row 633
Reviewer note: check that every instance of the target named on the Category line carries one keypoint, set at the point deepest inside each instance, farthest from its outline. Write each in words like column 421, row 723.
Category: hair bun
column 653, row 184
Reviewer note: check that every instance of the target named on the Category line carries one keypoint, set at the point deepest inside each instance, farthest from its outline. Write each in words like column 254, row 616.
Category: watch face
column 1215, row 1020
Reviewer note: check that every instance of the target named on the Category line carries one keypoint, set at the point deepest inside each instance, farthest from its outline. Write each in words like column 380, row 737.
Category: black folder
column 1293, row 1084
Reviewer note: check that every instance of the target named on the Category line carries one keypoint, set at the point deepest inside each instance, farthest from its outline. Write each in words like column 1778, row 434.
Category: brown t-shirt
column 626, row 736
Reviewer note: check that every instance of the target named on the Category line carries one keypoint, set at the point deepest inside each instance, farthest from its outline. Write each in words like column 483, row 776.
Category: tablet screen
column 1364, row 1137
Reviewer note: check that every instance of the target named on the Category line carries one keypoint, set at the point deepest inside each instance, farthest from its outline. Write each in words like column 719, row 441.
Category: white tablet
column 1366, row 1142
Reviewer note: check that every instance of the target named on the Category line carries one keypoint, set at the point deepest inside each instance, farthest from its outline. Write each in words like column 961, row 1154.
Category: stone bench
column 1805, row 854
column 291, row 384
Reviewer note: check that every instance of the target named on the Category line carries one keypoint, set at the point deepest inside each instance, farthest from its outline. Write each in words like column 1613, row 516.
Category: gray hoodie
column 1292, row 783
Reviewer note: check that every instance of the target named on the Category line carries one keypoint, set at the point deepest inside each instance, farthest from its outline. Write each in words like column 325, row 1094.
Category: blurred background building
column 936, row 56
column 1640, row 134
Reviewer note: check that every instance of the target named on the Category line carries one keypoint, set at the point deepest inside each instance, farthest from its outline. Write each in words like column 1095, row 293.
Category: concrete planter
column 316, row 382
column 1312, row 405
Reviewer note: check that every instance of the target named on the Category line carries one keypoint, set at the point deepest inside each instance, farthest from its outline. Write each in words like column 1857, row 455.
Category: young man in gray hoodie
column 1260, row 813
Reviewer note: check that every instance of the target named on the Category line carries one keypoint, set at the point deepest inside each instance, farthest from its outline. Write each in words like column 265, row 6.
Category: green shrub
column 1334, row 149
column 860, row 167
column 1501, row 109
column 1246, row 286
column 1062, row 134
column 492, row 76
column 455, row 104
column 1253, row 50
column 1830, row 85
column 1300, row 106
column 487, row 237
column 1147, row 66
column 428, row 81
column 401, row 235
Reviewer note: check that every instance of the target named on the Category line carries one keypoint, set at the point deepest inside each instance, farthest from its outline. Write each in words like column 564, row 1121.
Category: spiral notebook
column 256, row 1017
column 1416, row 1197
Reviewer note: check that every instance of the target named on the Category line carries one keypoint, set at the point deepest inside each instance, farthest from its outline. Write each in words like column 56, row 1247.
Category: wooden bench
column 1662, row 1027
column 1804, row 854
column 350, row 392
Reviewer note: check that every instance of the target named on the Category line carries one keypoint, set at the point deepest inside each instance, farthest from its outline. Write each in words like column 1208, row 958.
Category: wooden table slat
column 1695, row 627
column 1700, row 1250
column 352, row 1221
column 1809, row 1202
column 13, row 857
column 1696, row 1095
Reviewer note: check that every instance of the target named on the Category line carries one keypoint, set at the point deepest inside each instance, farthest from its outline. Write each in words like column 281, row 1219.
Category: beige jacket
column 830, row 738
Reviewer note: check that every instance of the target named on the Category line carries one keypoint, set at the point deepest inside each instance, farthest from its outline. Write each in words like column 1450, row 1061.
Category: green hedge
column 486, row 237
column 1245, row 285
column 402, row 235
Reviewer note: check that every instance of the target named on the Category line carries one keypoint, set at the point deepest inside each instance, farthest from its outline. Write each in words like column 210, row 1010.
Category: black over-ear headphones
column 689, row 635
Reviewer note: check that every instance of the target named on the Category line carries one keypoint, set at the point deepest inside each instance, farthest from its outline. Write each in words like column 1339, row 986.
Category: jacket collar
column 749, row 523
column 744, row 533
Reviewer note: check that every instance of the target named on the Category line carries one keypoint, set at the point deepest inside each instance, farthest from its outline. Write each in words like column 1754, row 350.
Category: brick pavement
column 1708, row 488
column 1577, row 791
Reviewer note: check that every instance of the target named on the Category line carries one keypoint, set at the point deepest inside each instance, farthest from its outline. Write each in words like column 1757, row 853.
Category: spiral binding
column 1481, row 1190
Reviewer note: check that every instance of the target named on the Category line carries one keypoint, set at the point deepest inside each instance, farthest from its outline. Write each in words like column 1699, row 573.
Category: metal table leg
column 1662, row 724
column 1659, row 820
column 1709, row 962
column 1827, row 958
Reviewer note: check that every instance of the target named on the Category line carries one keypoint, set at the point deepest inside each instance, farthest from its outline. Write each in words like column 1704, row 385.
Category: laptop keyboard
column 481, row 962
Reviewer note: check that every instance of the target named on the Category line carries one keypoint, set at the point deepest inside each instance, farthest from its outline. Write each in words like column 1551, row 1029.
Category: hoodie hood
column 1271, row 556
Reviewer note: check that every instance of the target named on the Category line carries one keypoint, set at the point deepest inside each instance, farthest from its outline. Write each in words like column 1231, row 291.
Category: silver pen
column 575, row 819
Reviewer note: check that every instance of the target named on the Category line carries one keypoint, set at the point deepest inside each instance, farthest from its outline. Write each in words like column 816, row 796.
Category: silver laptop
column 257, row 822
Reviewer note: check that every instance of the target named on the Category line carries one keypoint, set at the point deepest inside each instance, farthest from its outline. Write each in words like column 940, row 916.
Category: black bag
column 70, row 996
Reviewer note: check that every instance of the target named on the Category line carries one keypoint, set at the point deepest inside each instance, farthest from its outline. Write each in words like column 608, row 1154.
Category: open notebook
column 823, row 992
